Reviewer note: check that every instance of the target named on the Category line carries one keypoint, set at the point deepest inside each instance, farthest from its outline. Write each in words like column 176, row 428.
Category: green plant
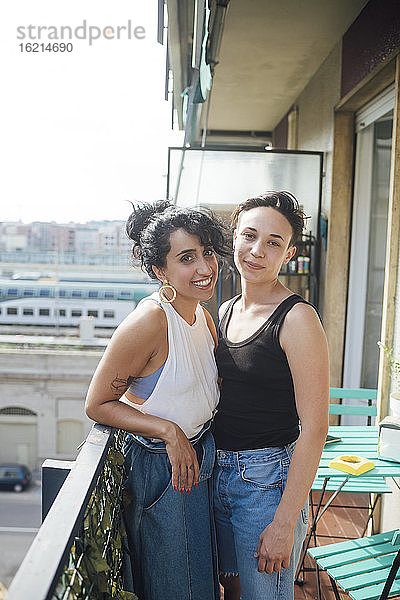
column 394, row 364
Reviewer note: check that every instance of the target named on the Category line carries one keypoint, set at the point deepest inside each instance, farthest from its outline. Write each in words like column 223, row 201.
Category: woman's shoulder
column 147, row 317
column 302, row 319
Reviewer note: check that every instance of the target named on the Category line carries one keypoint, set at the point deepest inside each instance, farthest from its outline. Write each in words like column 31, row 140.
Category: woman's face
column 190, row 267
column 261, row 243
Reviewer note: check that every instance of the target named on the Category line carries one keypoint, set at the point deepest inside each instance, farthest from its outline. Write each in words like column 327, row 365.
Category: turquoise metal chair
column 366, row 568
column 374, row 485
column 368, row 410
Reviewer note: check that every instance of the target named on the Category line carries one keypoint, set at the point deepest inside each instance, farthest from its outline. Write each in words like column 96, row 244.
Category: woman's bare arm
column 133, row 347
column 304, row 342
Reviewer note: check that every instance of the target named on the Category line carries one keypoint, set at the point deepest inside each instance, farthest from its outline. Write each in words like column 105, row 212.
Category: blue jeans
column 171, row 536
column 248, row 487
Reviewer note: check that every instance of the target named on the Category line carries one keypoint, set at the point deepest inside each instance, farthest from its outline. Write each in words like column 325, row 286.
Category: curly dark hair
column 151, row 225
column 283, row 202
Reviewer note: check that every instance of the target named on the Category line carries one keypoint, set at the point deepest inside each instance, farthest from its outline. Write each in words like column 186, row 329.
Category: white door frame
column 358, row 273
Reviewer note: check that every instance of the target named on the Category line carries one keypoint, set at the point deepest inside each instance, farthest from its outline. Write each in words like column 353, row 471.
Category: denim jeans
column 248, row 487
column 171, row 536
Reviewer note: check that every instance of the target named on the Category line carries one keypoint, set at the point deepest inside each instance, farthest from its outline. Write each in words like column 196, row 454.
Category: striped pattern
column 360, row 567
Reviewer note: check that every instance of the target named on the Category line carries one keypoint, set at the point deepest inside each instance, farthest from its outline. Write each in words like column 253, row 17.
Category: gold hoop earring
column 161, row 292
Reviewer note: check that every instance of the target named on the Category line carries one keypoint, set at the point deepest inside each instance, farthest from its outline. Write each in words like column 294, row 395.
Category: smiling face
column 191, row 268
column 262, row 243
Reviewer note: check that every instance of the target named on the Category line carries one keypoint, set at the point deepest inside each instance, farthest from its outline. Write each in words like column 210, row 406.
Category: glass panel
column 377, row 249
column 221, row 179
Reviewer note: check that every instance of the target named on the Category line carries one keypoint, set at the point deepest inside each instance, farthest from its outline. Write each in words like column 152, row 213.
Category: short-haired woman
column 273, row 360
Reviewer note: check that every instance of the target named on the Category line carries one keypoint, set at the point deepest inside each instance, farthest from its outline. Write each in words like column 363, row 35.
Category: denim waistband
column 159, row 446
column 228, row 457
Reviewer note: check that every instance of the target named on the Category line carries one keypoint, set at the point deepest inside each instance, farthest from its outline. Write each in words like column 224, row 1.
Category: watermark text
column 89, row 33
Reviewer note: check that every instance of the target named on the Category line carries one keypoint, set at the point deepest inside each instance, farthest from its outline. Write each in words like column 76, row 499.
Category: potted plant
column 395, row 367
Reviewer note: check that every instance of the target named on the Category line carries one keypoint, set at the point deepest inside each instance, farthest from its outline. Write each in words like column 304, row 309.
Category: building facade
column 42, row 403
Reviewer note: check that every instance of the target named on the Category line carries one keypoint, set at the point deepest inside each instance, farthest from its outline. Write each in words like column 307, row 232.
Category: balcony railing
column 53, row 257
column 77, row 553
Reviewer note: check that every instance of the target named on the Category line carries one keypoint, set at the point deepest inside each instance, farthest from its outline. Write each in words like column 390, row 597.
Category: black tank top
column 257, row 406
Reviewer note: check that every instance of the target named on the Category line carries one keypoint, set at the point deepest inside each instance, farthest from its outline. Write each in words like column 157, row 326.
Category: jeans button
column 222, row 455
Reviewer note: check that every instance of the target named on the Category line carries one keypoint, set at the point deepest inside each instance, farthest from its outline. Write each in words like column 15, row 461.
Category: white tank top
column 187, row 391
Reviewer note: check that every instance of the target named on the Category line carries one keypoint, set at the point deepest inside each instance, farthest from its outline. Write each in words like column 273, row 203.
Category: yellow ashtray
column 354, row 465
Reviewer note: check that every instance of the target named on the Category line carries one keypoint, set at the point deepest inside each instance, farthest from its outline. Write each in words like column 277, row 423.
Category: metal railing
column 53, row 257
column 77, row 553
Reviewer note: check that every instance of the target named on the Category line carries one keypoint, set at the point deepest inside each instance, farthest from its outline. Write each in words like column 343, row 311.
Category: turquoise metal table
column 361, row 441
column 354, row 440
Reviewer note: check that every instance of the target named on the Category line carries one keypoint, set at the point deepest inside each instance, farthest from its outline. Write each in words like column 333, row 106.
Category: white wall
column 315, row 127
column 51, row 383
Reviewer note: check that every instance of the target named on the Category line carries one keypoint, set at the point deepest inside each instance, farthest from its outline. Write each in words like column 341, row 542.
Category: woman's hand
column 274, row 547
column 183, row 458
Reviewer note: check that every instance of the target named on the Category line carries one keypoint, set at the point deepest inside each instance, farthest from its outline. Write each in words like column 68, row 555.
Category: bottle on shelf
column 300, row 264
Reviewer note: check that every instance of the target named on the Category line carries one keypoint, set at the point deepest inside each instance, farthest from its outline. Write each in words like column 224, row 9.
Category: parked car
column 14, row 476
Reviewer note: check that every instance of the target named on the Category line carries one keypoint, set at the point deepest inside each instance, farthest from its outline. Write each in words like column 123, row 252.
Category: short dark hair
column 284, row 202
column 151, row 225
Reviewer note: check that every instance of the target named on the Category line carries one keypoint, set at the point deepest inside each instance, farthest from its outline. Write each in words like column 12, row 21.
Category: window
column 17, row 410
column 12, row 292
column 44, row 312
column 12, row 311
column 62, row 312
column 28, row 292
column 76, row 313
column 108, row 294
column 62, row 293
column 109, row 314
column 28, row 312
column 7, row 474
column 125, row 294
column 76, row 294
column 45, row 292
column 93, row 294
column 93, row 313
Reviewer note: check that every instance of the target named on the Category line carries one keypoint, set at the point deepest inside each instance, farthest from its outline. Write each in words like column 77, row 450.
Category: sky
column 84, row 131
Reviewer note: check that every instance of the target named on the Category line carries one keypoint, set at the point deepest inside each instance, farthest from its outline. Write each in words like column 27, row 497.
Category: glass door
column 368, row 244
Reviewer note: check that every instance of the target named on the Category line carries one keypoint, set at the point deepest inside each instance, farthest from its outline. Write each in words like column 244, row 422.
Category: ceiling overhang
column 269, row 52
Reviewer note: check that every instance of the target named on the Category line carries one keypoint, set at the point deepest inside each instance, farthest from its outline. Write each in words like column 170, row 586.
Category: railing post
column 54, row 473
